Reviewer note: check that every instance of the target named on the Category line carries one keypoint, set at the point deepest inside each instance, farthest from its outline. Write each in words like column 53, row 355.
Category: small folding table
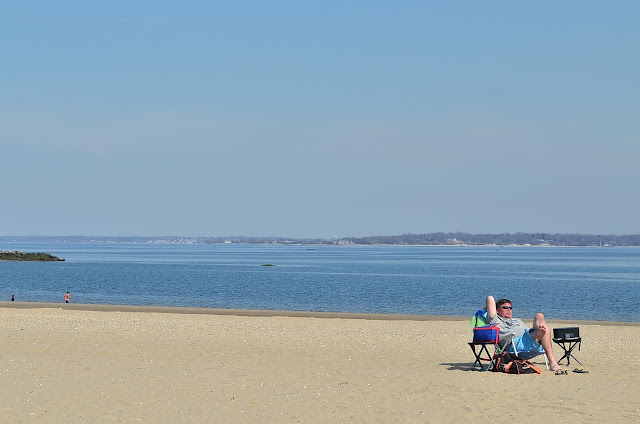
column 568, row 338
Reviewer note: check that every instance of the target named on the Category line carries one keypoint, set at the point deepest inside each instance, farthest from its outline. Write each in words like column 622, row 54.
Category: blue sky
column 341, row 118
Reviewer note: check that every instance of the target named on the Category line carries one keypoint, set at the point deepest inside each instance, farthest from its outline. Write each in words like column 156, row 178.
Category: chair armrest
column 506, row 340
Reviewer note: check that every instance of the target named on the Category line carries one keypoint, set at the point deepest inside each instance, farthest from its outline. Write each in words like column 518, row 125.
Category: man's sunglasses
column 507, row 307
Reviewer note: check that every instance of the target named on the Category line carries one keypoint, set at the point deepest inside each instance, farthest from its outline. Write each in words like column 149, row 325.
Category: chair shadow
column 461, row 366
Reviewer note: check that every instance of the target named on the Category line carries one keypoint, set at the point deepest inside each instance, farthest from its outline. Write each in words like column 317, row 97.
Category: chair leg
column 576, row 359
column 546, row 360
column 568, row 350
column 478, row 354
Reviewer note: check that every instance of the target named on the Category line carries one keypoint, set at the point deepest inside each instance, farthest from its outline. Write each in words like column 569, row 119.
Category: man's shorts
column 525, row 343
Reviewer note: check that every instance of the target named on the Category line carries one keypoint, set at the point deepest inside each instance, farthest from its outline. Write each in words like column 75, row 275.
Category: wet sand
column 73, row 363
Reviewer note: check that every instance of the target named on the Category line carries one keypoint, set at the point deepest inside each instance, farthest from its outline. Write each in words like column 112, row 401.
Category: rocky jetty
column 25, row 256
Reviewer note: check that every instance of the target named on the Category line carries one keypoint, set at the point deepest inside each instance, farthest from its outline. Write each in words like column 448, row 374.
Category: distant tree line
column 524, row 239
column 449, row 239
column 163, row 239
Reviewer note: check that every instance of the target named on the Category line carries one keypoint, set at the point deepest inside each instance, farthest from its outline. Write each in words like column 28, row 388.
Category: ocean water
column 563, row 283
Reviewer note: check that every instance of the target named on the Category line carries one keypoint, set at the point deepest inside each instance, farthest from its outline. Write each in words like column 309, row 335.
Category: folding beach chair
column 481, row 348
column 507, row 345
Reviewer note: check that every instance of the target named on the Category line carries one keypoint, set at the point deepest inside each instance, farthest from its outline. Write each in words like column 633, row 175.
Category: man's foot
column 555, row 367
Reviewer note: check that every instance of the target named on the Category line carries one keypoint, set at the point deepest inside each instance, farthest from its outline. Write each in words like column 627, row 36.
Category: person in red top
column 67, row 297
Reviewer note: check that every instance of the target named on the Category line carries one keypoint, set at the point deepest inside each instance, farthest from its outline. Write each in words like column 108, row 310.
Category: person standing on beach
column 13, row 297
column 67, row 297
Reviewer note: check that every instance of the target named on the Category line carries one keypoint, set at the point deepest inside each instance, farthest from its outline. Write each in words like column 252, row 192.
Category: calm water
column 564, row 283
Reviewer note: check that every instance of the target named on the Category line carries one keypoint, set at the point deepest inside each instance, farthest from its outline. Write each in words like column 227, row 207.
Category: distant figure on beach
column 13, row 297
column 67, row 297
column 501, row 314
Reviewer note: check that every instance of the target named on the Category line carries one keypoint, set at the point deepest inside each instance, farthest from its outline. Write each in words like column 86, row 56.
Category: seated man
column 501, row 314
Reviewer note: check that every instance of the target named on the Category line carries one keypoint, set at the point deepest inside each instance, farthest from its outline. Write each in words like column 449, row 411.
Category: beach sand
column 90, row 363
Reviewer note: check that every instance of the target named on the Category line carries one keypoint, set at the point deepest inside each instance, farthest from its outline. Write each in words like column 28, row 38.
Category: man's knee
column 539, row 318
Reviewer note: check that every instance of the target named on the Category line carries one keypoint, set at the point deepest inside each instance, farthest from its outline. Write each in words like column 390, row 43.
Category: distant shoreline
column 428, row 239
column 141, row 243
column 268, row 313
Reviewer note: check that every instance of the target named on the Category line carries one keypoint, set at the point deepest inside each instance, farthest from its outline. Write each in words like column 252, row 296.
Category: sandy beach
column 92, row 363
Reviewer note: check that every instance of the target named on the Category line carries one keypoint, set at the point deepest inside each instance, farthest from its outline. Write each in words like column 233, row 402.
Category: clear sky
column 319, row 119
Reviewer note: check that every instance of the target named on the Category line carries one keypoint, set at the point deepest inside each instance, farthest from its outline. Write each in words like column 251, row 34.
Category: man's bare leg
column 542, row 335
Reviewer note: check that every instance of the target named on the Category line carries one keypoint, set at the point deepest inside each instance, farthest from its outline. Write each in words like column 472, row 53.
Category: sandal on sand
column 562, row 372
column 580, row 371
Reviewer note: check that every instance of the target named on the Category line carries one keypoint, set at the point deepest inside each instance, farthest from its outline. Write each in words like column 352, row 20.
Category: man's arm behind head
column 491, row 307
